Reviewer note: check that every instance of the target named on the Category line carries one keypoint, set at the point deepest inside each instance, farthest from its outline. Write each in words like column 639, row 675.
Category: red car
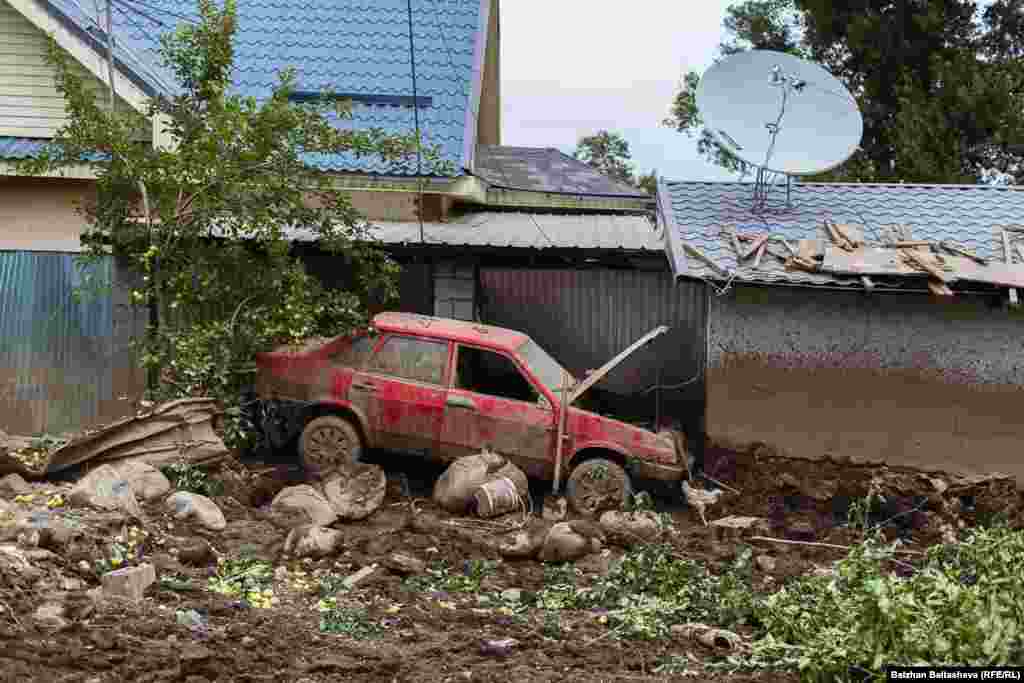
column 444, row 388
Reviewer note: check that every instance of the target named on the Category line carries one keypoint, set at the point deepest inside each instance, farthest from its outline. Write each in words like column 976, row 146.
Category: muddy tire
column 597, row 485
column 329, row 444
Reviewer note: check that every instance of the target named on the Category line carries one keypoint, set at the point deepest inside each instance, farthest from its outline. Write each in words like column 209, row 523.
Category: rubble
column 733, row 528
column 148, row 482
column 187, row 505
column 302, row 504
column 455, row 489
column 360, row 576
column 313, row 541
column 400, row 563
column 106, row 489
column 629, row 528
column 194, row 551
column 568, row 541
column 357, row 491
column 13, row 485
column 712, row 638
column 50, row 616
column 129, row 583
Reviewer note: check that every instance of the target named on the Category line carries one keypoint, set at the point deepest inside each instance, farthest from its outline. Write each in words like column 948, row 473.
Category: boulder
column 50, row 616
column 148, row 482
column 299, row 505
column 357, row 491
column 400, row 563
column 629, row 528
column 313, row 541
column 454, row 489
column 186, row 505
column 195, row 551
column 733, row 527
column 129, row 583
column 564, row 543
column 524, row 543
column 106, row 489
column 13, row 485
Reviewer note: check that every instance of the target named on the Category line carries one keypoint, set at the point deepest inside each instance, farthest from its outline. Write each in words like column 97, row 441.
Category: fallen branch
column 816, row 544
column 718, row 483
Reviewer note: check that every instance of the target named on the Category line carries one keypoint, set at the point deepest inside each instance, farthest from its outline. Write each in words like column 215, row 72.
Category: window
column 486, row 372
column 353, row 353
column 421, row 360
column 544, row 367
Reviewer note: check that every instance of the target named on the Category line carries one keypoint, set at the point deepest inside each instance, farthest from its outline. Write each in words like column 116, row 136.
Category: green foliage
column 608, row 153
column 202, row 220
column 246, row 578
column 186, row 476
column 440, row 576
column 964, row 606
column 123, row 550
column 354, row 622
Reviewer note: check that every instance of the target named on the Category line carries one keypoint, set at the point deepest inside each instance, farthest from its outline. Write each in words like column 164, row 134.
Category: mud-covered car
column 441, row 389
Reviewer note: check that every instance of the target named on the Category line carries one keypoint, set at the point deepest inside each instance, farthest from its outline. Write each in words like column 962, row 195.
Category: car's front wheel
column 596, row 485
column 329, row 443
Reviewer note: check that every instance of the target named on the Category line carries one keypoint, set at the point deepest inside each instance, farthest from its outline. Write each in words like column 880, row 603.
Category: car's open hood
column 597, row 375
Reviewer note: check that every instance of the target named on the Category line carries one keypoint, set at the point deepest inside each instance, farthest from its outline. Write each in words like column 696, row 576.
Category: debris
column 844, row 236
column 629, row 528
column 50, row 616
column 957, row 250
column 765, row 563
column 1008, row 257
column 564, row 542
column 302, row 504
column 400, row 563
column 195, row 551
column 555, row 508
column 939, row 288
column 524, row 543
column 106, row 489
column 187, row 505
column 314, row 541
column 714, row 638
column 455, row 488
column 868, row 283
column 148, row 482
column 919, row 261
column 356, row 492
column 512, row 595
column 353, row 580
column 13, row 485
column 129, row 583
column 498, row 648
column 191, row 619
column 756, row 248
column 699, row 498
column 733, row 527
column 814, row 544
column 496, row 497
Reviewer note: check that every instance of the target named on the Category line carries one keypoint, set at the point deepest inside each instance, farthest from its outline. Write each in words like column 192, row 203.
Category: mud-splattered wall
column 897, row 377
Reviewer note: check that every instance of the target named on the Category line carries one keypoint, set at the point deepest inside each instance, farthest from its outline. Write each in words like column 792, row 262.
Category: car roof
column 446, row 328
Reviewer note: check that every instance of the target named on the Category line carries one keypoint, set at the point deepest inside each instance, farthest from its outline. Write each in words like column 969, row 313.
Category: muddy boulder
column 313, row 541
column 566, row 542
column 524, row 543
column 299, row 505
column 148, row 482
column 106, row 489
column 357, row 491
column 13, row 485
column 186, row 505
column 630, row 528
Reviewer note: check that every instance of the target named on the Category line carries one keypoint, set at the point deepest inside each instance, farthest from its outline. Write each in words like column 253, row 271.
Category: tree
column 204, row 223
column 649, row 183
column 608, row 153
column 940, row 90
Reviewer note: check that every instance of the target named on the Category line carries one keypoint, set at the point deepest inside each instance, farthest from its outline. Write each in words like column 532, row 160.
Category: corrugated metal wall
column 64, row 358
column 455, row 290
column 585, row 317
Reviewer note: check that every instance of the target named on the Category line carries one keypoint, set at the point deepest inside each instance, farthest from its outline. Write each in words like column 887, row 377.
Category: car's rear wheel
column 329, row 443
column 597, row 485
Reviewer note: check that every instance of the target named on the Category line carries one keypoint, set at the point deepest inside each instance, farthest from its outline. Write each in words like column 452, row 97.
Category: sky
column 570, row 68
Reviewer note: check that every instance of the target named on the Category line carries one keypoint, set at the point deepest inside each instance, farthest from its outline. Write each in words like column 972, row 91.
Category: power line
column 416, row 121
column 159, row 10
column 127, row 10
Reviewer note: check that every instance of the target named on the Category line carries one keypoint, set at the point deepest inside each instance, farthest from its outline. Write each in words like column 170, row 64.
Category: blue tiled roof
column 20, row 148
column 351, row 46
column 695, row 214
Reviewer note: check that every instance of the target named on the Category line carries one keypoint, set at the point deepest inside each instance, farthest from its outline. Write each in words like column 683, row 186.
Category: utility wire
column 128, row 10
column 160, row 10
column 416, row 122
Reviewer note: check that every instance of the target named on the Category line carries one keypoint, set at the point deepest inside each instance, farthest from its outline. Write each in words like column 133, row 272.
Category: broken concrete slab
column 129, row 583
column 187, row 505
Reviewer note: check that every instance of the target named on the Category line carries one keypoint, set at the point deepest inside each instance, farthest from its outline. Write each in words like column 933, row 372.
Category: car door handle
column 460, row 402
column 364, row 387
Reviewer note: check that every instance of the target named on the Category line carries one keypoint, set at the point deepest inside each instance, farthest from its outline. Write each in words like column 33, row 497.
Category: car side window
column 353, row 354
column 421, row 360
column 490, row 373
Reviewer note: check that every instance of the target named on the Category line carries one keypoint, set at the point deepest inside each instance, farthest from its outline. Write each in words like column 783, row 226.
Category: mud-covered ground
column 421, row 635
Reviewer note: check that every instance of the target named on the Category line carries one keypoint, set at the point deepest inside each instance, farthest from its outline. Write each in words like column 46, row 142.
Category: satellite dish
column 779, row 113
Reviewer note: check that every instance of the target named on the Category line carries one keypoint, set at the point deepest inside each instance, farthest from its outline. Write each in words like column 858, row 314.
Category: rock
column 13, row 485
column 16, row 567
column 714, row 638
column 629, row 528
column 195, row 551
column 801, row 531
column 787, row 480
column 299, row 505
column 314, row 541
column 498, row 648
column 555, row 508
column 822, row 491
column 596, row 563
column 357, row 491
column 186, row 505
column 105, row 489
column 765, row 563
column 50, row 616
column 524, row 543
column 401, row 563
column 129, row 583
column 564, row 544
column 733, row 528
column 512, row 595
column 148, row 482
column 360, row 576
column 454, row 489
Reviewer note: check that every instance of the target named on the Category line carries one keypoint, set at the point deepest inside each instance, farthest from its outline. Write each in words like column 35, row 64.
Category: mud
column 425, row 638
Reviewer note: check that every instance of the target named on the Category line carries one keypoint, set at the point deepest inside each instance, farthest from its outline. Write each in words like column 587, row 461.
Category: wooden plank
column 755, row 247
column 868, row 283
column 939, row 288
column 760, row 252
column 888, row 262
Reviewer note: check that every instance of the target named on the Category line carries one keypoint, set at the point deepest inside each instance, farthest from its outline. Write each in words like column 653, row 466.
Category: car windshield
column 546, row 368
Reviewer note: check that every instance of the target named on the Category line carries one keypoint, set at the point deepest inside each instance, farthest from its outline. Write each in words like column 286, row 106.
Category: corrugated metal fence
column 585, row 317
column 62, row 348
